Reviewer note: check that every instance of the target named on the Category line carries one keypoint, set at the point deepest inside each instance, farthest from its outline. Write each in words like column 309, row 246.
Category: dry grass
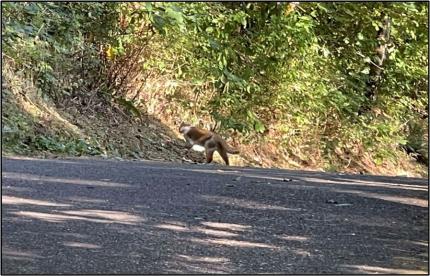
column 274, row 149
column 154, row 135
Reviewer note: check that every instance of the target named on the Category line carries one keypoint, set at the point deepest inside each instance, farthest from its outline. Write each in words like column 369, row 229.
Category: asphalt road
column 132, row 217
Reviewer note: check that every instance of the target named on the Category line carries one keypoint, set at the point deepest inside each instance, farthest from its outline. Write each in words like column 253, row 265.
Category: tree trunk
column 377, row 64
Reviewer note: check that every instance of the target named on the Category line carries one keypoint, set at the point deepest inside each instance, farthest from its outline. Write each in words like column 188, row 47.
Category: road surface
column 80, row 216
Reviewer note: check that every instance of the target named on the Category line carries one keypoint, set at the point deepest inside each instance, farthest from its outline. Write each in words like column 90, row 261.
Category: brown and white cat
column 206, row 140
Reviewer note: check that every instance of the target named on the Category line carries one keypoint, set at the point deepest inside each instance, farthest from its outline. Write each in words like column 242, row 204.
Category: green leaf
column 177, row 16
column 365, row 71
column 129, row 106
column 259, row 127
column 231, row 76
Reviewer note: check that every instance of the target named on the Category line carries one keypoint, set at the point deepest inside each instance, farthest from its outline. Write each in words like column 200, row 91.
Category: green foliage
column 54, row 42
column 61, row 145
column 307, row 68
column 302, row 69
column 128, row 105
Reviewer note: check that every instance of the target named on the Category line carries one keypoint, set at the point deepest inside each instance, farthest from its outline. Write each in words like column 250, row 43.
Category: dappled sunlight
column 24, row 201
column 196, row 269
column 373, row 221
column 194, row 229
column 249, row 204
column 411, row 260
column 301, row 252
column 98, row 216
column 356, row 182
column 77, row 181
column 72, row 235
column 62, row 161
column 113, row 216
column 203, row 259
column 236, row 173
column 81, row 245
column 199, row 264
column 53, row 217
column 233, row 243
column 19, row 255
column 211, row 232
column 293, row 238
column 85, row 199
column 365, row 269
column 15, row 189
column 253, row 173
column 227, row 226
column 404, row 241
column 172, row 227
column 200, row 235
column 397, row 199
column 422, row 243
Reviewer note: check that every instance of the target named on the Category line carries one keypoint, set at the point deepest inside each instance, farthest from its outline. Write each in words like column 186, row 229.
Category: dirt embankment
column 35, row 126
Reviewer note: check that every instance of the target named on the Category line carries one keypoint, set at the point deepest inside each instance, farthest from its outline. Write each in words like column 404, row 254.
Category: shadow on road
column 87, row 217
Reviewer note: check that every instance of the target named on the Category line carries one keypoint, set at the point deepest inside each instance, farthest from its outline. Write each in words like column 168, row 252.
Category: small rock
column 287, row 180
column 331, row 201
column 229, row 185
column 237, row 178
